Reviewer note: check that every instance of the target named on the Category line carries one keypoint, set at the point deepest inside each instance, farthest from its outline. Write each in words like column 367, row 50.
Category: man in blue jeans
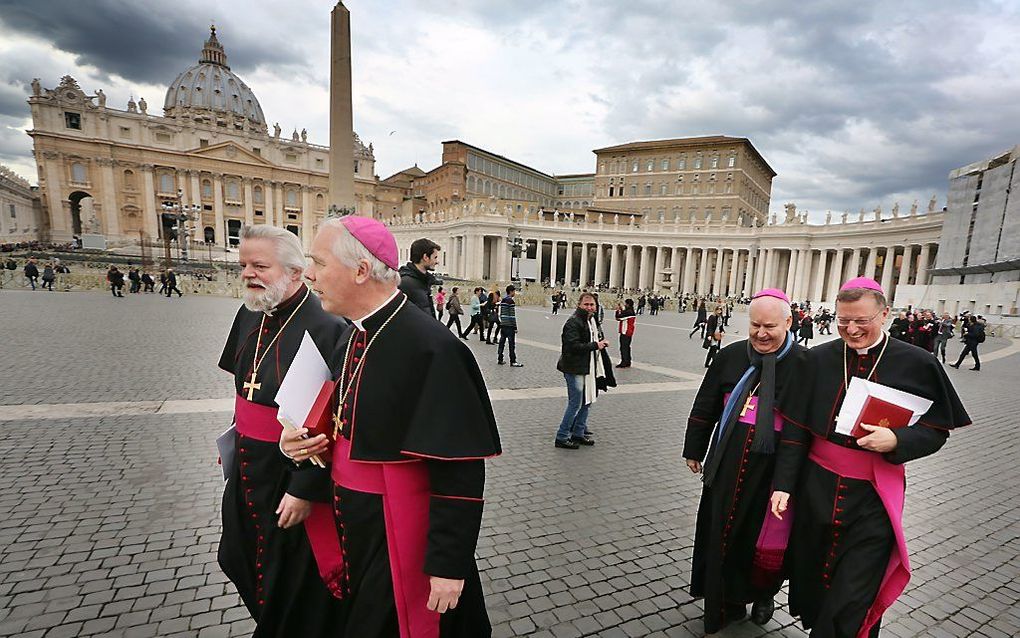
column 508, row 328
column 580, row 362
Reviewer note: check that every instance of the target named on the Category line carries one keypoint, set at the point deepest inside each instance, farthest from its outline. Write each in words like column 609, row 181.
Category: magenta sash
column 888, row 481
column 770, row 548
column 406, row 494
column 257, row 421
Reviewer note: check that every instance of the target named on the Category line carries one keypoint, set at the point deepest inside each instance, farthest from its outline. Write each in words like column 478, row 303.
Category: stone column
column 307, row 216
column 688, row 283
column 905, row 264
column 218, row 208
column 269, row 200
column 804, row 276
column 787, row 282
column 553, row 259
column 766, row 276
column 583, row 277
column 717, row 276
column 249, row 204
column 836, row 278
column 819, row 287
column 198, row 228
column 642, row 267
column 55, row 196
column 279, row 216
column 871, row 263
column 568, row 275
column 111, row 216
column 760, row 264
column 734, row 264
column 660, row 263
column 674, row 265
column 703, row 272
column 600, row 263
column 614, row 266
column 922, row 265
column 749, row 274
column 855, row 263
column 502, row 272
column 887, row 268
column 628, row 267
column 150, row 222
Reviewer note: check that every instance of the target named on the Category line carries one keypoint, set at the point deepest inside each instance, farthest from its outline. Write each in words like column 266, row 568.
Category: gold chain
column 256, row 362
column 357, row 369
column 846, row 364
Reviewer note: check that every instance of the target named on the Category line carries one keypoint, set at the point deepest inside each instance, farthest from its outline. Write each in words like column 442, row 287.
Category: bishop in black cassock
column 744, row 419
column 273, row 568
column 413, row 427
column 847, row 549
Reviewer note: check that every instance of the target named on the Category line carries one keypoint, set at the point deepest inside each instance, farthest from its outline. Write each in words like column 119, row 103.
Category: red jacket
column 626, row 320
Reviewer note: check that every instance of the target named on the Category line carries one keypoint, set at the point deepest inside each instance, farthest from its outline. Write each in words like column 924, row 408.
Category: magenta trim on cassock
column 889, row 482
column 405, row 491
column 259, row 422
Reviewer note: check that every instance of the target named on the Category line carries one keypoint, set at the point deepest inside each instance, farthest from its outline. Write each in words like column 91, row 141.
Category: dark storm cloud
column 140, row 41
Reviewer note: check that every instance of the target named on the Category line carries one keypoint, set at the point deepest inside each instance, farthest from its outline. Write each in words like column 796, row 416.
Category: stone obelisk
column 341, row 121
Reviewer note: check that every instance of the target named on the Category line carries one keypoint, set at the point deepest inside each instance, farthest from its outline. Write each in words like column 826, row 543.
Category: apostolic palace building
column 684, row 215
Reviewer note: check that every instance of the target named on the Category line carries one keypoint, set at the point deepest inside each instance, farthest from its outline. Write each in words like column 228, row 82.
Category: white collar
column 865, row 350
column 359, row 323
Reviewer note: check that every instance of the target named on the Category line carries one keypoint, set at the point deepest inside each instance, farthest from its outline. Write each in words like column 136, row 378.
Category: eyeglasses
column 843, row 322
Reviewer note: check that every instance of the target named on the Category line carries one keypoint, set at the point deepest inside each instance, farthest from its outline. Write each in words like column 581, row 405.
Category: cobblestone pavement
column 110, row 524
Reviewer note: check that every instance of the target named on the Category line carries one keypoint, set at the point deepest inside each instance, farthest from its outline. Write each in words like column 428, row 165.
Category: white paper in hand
column 859, row 391
column 302, row 384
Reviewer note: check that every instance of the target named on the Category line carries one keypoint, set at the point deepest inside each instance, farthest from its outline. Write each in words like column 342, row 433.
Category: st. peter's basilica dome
column 209, row 91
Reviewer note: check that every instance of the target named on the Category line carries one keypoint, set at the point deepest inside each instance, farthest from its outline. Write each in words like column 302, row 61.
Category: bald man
column 742, row 430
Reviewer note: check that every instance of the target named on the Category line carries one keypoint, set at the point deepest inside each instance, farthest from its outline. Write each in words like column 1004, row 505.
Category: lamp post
column 182, row 214
column 516, row 245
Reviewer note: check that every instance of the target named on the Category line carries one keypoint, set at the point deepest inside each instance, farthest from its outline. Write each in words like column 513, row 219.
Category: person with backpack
column 974, row 336
column 48, row 277
column 456, row 310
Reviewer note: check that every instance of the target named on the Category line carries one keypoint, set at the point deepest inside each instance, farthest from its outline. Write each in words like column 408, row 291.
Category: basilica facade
column 115, row 172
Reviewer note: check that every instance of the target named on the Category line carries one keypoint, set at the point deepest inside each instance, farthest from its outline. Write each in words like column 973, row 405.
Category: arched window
column 210, row 235
column 471, row 180
column 291, row 198
column 206, row 189
column 78, row 173
column 129, row 180
column 166, row 183
column 257, row 194
column 320, row 202
column 233, row 190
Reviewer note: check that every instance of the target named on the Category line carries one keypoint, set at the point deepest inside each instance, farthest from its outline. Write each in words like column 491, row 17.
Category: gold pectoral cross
column 336, row 426
column 251, row 386
column 747, row 406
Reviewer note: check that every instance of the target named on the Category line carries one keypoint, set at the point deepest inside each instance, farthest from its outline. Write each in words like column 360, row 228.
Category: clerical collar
column 289, row 302
column 863, row 351
column 360, row 323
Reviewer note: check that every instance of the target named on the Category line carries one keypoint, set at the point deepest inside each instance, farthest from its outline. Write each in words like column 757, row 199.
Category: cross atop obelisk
column 341, row 121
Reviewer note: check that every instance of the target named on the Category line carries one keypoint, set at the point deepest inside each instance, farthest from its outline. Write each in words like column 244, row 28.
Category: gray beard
column 267, row 299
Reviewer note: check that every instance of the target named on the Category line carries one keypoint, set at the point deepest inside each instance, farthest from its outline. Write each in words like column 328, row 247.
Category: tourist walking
column 584, row 369
column 47, row 277
column 416, row 278
column 713, row 335
column 149, row 282
column 626, row 318
column 171, row 284
column 508, row 327
column 440, row 303
column 973, row 336
column 944, row 332
column 475, row 308
column 492, row 335
column 31, row 272
column 700, row 320
column 453, row 305
column 806, row 332
column 116, row 280
column 135, row 279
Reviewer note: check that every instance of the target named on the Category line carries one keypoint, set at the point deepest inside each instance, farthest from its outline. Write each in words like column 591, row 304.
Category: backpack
column 979, row 332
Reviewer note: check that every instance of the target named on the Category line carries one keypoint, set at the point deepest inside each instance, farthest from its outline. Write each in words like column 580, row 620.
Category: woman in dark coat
column 806, row 332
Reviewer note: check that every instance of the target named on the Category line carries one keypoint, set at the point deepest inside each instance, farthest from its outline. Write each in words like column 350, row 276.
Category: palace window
column 202, row 142
column 125, row 132
column 731, row 162
column 256, row 150
column 697, row 163
column 206, row 189
column 72, row 120
column 634, row 167
column 292, row 198
column 78, row 173
column 166, row 183
column 633, row 190
column 681, row 164
column 357, row 166
column 650, row 165
column 662, row 189
column 665, row 164
column 129, row 180
column 320, row 202
column 257, row 194
column 233, row 190
column 714, row 162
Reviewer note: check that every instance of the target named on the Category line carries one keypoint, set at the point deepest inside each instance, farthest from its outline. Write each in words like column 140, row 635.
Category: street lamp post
column 182, row 214
column 516, row 245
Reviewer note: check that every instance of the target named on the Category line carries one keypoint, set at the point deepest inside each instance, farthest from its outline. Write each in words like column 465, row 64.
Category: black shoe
column 500, row 362
column 516, row 364
column 732, row 612
column 567, row 445
column 583, row 440
column 955, row 365
column 976, row 369
column 463, row 337
column 762, row 610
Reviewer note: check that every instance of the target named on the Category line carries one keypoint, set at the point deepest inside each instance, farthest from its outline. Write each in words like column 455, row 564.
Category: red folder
column 320, row 417
column 883, row 414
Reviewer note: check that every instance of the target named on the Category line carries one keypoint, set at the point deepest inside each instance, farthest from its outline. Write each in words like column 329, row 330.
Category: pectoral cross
column 337, row 424
column 747, row 406
column 251, row 386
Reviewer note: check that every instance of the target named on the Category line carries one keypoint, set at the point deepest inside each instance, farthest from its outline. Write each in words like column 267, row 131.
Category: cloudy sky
column 855, row 104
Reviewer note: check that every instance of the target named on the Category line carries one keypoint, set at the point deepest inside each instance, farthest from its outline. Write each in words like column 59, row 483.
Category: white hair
column 350, row 252
column 787, row 311
column 288, row 246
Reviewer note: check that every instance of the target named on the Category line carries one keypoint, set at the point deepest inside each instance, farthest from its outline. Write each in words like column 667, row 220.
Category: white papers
column 226, row 445
column 858, row 392
column 301, row 386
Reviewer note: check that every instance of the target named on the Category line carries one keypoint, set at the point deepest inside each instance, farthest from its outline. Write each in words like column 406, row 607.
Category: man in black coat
column 584, row 365
column 416, row 278
column 171, row 283
column 31, row 272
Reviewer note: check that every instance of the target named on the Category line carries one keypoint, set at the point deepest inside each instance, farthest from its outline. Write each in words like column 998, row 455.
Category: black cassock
column 273, row 569
column 417, row 404
column 842, row 536
column 732, row 509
